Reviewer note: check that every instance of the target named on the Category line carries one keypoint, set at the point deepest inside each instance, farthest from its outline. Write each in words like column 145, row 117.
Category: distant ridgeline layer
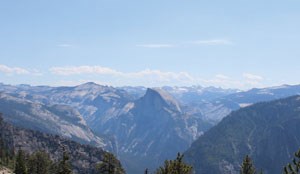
column 83, row 158
column 142, row 126
column 269, row 132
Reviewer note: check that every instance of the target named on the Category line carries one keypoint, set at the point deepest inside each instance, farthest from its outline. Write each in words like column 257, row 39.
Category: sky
column 231, row 44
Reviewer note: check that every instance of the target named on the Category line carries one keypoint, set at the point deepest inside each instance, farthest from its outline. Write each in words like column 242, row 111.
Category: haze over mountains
column 268, row 132
column 142, row 126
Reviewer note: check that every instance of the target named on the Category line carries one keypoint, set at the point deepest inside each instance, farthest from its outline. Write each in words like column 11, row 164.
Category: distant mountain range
column 142, row 126
column 217, row 108
column 268, row 132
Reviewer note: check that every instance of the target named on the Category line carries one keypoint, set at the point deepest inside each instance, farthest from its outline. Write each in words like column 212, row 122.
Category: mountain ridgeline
column 56, row 119
column 141, row 126
column 268, row 132
column 148, row 128
column 133, row 125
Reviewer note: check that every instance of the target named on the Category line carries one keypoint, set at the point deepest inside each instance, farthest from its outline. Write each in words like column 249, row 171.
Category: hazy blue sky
column 232, row 43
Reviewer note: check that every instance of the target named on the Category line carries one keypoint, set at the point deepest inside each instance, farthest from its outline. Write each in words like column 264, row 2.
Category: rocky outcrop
column 56, row 119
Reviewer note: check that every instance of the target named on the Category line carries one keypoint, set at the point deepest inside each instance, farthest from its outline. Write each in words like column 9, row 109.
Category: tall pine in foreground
column 109, row 165
column 247, row 166
column 64, row 166
column 176, row 166
column 6, row 154
column 20, row 167
column 293, row 168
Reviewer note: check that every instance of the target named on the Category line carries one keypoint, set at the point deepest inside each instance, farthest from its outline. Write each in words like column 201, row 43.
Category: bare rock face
column 83, row 157
column 56, row 119
column 149, row 130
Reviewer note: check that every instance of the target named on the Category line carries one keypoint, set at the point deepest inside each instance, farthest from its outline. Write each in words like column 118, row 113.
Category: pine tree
column 2, row 152
column 64, row 166
column 176, row 166
column 109, row 165
column 39, row 162
column 2, row 146
column 6, row 153
column 293, row 168
column 247, row 166
column 20, row 167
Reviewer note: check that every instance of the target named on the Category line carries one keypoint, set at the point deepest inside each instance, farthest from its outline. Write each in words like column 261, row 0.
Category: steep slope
column 268, row 132
column 83, row 157
column 150, row 130
column 90, row 99
column 202, row 102
column 213, row 104
column 55, row 119
column 135, row 123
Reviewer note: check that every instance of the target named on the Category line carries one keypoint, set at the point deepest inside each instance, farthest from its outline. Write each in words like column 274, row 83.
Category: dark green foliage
column 176, row 166
column 6, row 155
column 64, row 166
column 39, row 162
column 247, row 166
column 20, row 167
column 293, row 168
column 109, row 165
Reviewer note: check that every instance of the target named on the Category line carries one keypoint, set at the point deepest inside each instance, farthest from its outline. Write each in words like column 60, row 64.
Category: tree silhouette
column 64, row 166
column 176, row 166
column 109, row 165
column 293, row 168
column 20, row 167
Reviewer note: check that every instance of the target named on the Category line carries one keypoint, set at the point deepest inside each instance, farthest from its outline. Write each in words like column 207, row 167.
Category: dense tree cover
column 39, row 162
column 36, row 163
column 176, row 166
column 64, row 166
column 109, row 165
column 6, row 155
column 21, row 167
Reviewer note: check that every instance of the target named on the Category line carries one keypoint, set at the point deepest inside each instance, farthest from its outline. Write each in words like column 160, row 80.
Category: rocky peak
column 159, row 99
column 89, row 86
